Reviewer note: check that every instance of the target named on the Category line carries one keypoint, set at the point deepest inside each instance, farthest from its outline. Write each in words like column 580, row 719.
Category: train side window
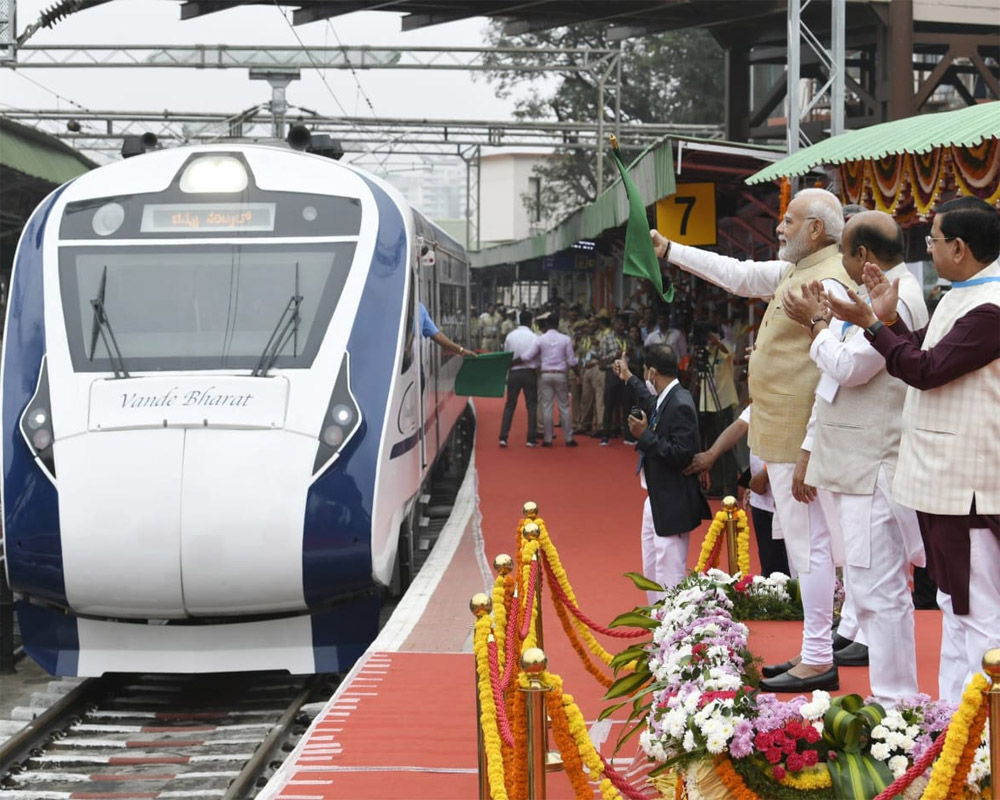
column 411, row 327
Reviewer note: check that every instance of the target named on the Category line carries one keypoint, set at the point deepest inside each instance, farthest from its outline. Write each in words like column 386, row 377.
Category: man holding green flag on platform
column 640, row 259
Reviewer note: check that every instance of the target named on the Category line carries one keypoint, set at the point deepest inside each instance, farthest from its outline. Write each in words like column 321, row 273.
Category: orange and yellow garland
column 488, row 711
column 950, row 770
column 715, row 531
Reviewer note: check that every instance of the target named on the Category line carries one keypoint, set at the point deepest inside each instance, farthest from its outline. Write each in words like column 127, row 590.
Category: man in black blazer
column 665, row 425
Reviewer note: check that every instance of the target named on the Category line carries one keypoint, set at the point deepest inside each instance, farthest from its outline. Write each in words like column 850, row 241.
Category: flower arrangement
column 703, row 708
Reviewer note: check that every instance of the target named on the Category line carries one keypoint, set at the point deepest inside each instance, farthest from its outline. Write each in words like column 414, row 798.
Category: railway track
column 160, row 736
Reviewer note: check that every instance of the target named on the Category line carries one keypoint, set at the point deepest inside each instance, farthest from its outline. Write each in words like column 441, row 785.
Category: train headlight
column 36, row 424
column 342, row 414
column 333, row 435
column 341, row 420
column 108, row 219
column 214, row 174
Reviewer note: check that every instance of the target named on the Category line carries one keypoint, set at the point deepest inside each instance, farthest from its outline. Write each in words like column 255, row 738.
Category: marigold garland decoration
column 500, row 619
column 852, row 181
column 784, row 197
column 552, row 556
column 711, row 546
column 977, row 169
column 733, row 781
column 708, row 545
column 488, row 711
column 742, row 542
column 945, row 770
column 592, row 668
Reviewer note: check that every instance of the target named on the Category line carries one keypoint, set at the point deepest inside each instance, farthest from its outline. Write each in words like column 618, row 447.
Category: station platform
column 402, row 724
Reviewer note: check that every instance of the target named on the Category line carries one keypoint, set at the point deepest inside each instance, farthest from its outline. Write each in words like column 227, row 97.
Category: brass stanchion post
column 729, row 506
column 532, row 531
column 533, row 662
column 991, row 666
column 480, row 605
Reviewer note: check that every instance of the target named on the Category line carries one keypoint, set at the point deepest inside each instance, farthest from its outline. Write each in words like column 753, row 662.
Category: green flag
column 640, row 259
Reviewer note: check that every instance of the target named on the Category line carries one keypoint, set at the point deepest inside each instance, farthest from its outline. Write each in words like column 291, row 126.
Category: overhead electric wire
column 320, row 72
column 51, row 91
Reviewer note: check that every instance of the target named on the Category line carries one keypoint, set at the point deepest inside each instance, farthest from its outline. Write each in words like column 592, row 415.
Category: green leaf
column 626, row 685
column 611, row 710
column 633, row 619
column 628, row 735
column 628, row 654
column 644, row 583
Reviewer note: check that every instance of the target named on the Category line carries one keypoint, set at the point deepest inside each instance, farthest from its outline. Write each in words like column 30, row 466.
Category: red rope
column 529, row 601
column 901, row 783
column 713, row 559
column 558, row 590
column 621, row 784
column 511, row 648
column 498, row 700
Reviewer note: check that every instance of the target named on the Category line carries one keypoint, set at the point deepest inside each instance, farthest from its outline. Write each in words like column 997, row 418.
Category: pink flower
column 779, row 773
column 773, row 755
column 810, row 757
column 811, row 734
column 795, row 762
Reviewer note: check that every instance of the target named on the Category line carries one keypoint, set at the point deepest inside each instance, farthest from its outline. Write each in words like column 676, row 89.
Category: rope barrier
column 902, row 783
column 506, row 736
column 576, row 612
column 528, row 609
column 621, row 784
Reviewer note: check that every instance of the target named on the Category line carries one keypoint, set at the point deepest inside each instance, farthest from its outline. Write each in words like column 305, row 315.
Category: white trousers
column 664, row 558
column 878, row 580
column 555, row 385
column 810, row 553
column 966, row 638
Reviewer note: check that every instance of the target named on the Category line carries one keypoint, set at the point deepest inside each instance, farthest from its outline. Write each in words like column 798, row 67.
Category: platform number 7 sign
column 688, row 216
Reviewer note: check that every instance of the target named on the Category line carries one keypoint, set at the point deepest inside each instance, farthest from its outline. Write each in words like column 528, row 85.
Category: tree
column 673, row 77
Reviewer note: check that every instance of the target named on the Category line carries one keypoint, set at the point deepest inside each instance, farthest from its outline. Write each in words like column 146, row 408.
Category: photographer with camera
column 713, row 387
column 664, row 423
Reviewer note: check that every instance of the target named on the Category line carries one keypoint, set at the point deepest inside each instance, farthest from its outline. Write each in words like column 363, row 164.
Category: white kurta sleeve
column 744, row 278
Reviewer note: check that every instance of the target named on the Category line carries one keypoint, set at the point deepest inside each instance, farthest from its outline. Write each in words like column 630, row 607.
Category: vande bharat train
column 218, row 410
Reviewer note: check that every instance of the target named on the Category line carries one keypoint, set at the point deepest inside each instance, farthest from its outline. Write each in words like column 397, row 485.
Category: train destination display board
column 207, row 217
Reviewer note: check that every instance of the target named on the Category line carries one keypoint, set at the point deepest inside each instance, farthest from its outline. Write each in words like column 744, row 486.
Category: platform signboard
column 688, row 215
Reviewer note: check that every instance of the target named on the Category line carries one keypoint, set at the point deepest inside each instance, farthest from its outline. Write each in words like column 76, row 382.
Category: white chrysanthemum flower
column 879, row 732
column 898, row 765
column 689, row 742
column 881, row 751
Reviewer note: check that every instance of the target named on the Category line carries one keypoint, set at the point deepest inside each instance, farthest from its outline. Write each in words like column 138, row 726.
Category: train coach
column 218, row 411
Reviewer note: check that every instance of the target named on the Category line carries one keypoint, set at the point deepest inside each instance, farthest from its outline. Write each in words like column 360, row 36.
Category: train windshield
column 180, row 307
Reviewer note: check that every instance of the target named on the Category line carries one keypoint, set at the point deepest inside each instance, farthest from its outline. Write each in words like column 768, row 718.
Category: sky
column 390, row 93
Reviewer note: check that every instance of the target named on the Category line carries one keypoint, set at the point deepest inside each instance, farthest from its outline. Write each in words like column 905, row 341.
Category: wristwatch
column 874, row 328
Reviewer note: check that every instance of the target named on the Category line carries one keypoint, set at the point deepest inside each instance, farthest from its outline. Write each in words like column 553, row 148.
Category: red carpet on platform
column 404, row 728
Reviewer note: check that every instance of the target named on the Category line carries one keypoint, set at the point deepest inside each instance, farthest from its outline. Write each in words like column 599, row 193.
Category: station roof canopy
column 624, row 17
column 921, row 134
column 654, row 175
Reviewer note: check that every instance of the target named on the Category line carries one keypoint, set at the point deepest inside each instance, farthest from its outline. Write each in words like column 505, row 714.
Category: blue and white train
column 218, row 410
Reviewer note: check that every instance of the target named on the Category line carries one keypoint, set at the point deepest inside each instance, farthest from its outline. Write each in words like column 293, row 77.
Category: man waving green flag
column 640, row 259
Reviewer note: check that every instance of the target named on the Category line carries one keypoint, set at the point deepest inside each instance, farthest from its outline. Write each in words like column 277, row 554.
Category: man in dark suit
column 665, row 425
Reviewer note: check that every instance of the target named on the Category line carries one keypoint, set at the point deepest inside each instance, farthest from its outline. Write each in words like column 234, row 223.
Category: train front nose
column 184, row 520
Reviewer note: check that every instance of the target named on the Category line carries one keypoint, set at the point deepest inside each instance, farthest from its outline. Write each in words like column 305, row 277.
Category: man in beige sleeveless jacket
column 782, row 382
column 854, row 437
column 950, row 448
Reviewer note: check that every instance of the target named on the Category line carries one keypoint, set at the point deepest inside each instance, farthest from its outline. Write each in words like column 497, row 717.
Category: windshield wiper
column 100, row 323
column 286, row 328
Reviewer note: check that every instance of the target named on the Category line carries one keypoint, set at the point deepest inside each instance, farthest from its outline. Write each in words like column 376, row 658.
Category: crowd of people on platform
column 873, row 427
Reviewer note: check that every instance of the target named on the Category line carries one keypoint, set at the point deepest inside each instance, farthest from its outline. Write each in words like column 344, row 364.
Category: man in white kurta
column 853, row 436
column 782, row 383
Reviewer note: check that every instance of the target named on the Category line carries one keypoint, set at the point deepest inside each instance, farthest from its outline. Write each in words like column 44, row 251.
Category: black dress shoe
column 773, row 670
column 827, row 681
column 854, row 655
column 840, row 642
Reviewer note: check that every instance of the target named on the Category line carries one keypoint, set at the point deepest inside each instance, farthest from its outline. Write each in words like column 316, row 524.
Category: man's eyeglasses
column 929, row 240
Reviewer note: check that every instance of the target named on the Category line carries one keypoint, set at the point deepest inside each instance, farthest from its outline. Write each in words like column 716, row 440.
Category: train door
column 428, row 355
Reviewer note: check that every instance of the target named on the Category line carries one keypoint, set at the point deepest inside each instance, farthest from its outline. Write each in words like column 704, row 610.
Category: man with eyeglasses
column 854, row 437
column 782, row 381
column 950, row 448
